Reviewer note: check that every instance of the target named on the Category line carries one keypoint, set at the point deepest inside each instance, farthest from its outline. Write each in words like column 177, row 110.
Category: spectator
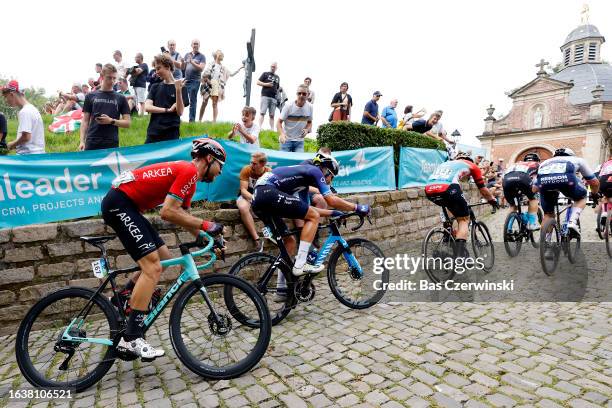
column 99, row 73
column 30, row 129
column 409, row 116
column 104, row 112
column 342, row 103
column 424, row 127
column 3, row 131
column 124, row 89
column 72, row 100
column 248, row 130
column 138, row 76
column 389, row 115
column 478, row 159
column 165, row 103
column 281, row 98
column 93, row 84
column 205, row 90
column 500, row 168
column 178, row 61
column 152, row 77
column 194, row 65
column 248, row 177
column 121, row 70
column 269, row 83
column 295, row 122
column 311, row 94
column 218, row 78
column 370, row 113
column 85, row 89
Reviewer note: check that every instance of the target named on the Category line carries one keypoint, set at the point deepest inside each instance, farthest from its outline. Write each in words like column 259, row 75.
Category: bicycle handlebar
column 346, row 216
column 210, row 245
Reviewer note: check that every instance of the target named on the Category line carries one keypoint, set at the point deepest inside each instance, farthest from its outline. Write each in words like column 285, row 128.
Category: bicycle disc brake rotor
column 221, row 326
column 304, row 292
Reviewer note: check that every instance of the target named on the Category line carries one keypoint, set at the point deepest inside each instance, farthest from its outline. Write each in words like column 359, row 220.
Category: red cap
column 11, row 86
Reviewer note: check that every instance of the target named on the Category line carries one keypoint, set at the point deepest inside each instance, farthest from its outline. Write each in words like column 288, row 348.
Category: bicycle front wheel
column 351, row 277
column 48, row 361
column 439, row 245
column 608, row 236
column 483, row 245
column 550, row 246
column 513, row 239
column 205, row 335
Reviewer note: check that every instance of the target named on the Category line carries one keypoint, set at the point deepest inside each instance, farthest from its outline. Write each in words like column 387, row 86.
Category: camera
column 163, row 49
column 130, row 70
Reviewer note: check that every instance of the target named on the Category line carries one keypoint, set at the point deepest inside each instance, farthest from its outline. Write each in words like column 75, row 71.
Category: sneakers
column 307, row 268
column 573, row 226
column 140, row 348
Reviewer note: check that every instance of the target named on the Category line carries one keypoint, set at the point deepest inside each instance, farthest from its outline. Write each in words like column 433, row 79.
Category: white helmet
column 564, row 151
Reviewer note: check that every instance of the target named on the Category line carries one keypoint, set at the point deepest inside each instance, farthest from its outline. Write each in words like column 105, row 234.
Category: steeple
column 583, row 44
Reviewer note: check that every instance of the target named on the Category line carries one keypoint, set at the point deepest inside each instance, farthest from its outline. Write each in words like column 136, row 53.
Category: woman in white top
column 409, row 116
column 218, row 77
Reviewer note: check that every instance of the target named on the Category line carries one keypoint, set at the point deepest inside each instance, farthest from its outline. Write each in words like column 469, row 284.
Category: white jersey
column 559, row 165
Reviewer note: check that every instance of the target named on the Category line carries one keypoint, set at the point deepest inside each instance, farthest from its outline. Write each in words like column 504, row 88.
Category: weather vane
column 585, row 14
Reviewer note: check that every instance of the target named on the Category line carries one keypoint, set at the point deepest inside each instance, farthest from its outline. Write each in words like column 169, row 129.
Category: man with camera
column 138, row 80
column 104, row 111
column 177, row 60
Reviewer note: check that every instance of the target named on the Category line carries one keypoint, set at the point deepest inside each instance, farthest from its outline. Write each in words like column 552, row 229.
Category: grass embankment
column 135, row 135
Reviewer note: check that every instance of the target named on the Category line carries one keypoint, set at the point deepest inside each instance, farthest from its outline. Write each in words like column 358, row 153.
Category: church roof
column 586, row 77
column 582, row 32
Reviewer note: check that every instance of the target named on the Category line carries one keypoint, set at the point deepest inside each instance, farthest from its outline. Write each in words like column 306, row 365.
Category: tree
column 36, row 96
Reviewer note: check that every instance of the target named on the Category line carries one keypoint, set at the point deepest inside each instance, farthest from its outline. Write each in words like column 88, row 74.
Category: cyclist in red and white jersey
column 444, row 190
column 172, row 185
column 605, row 190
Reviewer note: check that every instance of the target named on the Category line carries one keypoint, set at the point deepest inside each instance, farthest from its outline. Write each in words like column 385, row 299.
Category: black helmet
column 564, row 151
column 202, row 147
column 464, row 156
column 532, row 157
column 327, row 161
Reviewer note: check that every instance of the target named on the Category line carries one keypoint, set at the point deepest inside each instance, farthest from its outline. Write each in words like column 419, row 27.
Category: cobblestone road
column 402, row 354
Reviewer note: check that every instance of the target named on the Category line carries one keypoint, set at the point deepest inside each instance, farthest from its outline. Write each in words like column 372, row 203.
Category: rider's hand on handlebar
column 595, row 197
column 493, row 202
column 212, row 228
column 219, row 247
column 362, row 209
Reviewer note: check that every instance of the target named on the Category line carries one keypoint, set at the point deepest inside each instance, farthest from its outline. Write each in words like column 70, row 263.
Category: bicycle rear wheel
column 483, row 245
column 47, row 361
column 252, row 268
column 573, row 245
column 219, row 348
column 550, row 246
column 513, row 239
column 608, row 236
column 599, row 228
column 438, row 246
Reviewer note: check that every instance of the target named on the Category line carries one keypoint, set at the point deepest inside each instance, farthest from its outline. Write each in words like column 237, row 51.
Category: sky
column 455, row 56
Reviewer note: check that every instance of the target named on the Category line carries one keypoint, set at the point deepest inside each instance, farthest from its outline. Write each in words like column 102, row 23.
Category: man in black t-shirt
column 165, row 103
column 269, row 83
column 104, row 111
column 3, row 131
column 139, row 81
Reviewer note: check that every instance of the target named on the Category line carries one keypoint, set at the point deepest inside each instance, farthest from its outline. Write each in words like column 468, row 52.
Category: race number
column 99, row 268
column 124, row 177
column 553, row 168
column 442, row 172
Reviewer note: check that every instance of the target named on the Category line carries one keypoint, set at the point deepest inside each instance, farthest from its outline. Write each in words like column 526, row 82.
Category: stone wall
column 40, row 258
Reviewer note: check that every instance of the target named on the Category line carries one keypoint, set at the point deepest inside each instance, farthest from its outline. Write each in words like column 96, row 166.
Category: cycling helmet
column 202, row 147
column 564, row 151
column 531, row 157
column 327, row 161
column 464, row 156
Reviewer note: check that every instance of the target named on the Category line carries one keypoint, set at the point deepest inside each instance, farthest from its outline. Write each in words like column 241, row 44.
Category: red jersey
column 148, row 186
column 452, row 172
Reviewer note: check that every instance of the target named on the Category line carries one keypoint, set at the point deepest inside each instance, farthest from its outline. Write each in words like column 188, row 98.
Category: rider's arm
column 336, row 202
column 480, row 183
column 589, row 177
column 173, row 212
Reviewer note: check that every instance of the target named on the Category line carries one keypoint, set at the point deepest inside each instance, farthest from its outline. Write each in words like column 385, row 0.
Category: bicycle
column 556, row 237
column 68, row 338
column 353, row 289
column 515, row 229
column 605, row 231
column 439, row 243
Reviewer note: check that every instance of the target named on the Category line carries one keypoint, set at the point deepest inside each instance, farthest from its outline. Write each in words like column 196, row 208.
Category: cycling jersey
column 148, row 186
column 566, row 165
column 452, row 172
column 530, row 167
column 606, row 169
column 295, row 180
column 559, row 175
column 605, row 179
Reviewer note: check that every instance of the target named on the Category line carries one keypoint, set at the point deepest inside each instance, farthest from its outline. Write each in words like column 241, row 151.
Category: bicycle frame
column 190, row 273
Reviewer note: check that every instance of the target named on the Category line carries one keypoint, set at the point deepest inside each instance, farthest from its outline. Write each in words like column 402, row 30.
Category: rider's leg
column 532, row 213
column 577, row 208
column 311, row 223
column 461, row 235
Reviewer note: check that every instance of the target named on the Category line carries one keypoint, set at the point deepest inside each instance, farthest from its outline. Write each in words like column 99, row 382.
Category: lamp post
column 456, row 136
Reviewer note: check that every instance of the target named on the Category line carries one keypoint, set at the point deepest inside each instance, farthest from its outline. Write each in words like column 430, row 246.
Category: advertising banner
column 416, row 165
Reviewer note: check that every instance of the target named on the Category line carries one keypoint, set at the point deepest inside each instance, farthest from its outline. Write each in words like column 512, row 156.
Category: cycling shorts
column 551, row 185
column 270, row 204
column 516, row 184
column 605, row 186
column 135, row 232
column 452, row 198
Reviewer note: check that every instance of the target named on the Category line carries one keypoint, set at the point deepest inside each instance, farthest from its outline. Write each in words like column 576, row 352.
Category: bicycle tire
column 608, row 236
column 573, row 246
column 430, row 253
column 268, row 292
column 513, row 240
column 535, row 241
column 489, row 260
column 22, row 347
column 251, row 357
column 550, row 227
column 343, row 296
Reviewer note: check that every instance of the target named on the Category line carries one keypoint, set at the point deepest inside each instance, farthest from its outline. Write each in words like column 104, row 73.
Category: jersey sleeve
column 318, row 181
column 184, row 185
column 585, row 170
column 476, row 175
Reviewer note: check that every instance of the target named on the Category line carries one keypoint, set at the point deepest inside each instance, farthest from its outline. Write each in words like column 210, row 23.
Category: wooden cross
column 542, row 64
column 249, row 63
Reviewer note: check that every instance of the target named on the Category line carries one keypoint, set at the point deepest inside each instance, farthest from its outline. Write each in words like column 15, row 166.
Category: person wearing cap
column 30, row 131
column 370, row 112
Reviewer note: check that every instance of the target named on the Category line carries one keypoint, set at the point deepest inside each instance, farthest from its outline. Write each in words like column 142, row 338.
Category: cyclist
column 518, row 180
column 443, row 189
column 605, row 190
column 283, row 193
column 171, row 184
column 558, row 174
